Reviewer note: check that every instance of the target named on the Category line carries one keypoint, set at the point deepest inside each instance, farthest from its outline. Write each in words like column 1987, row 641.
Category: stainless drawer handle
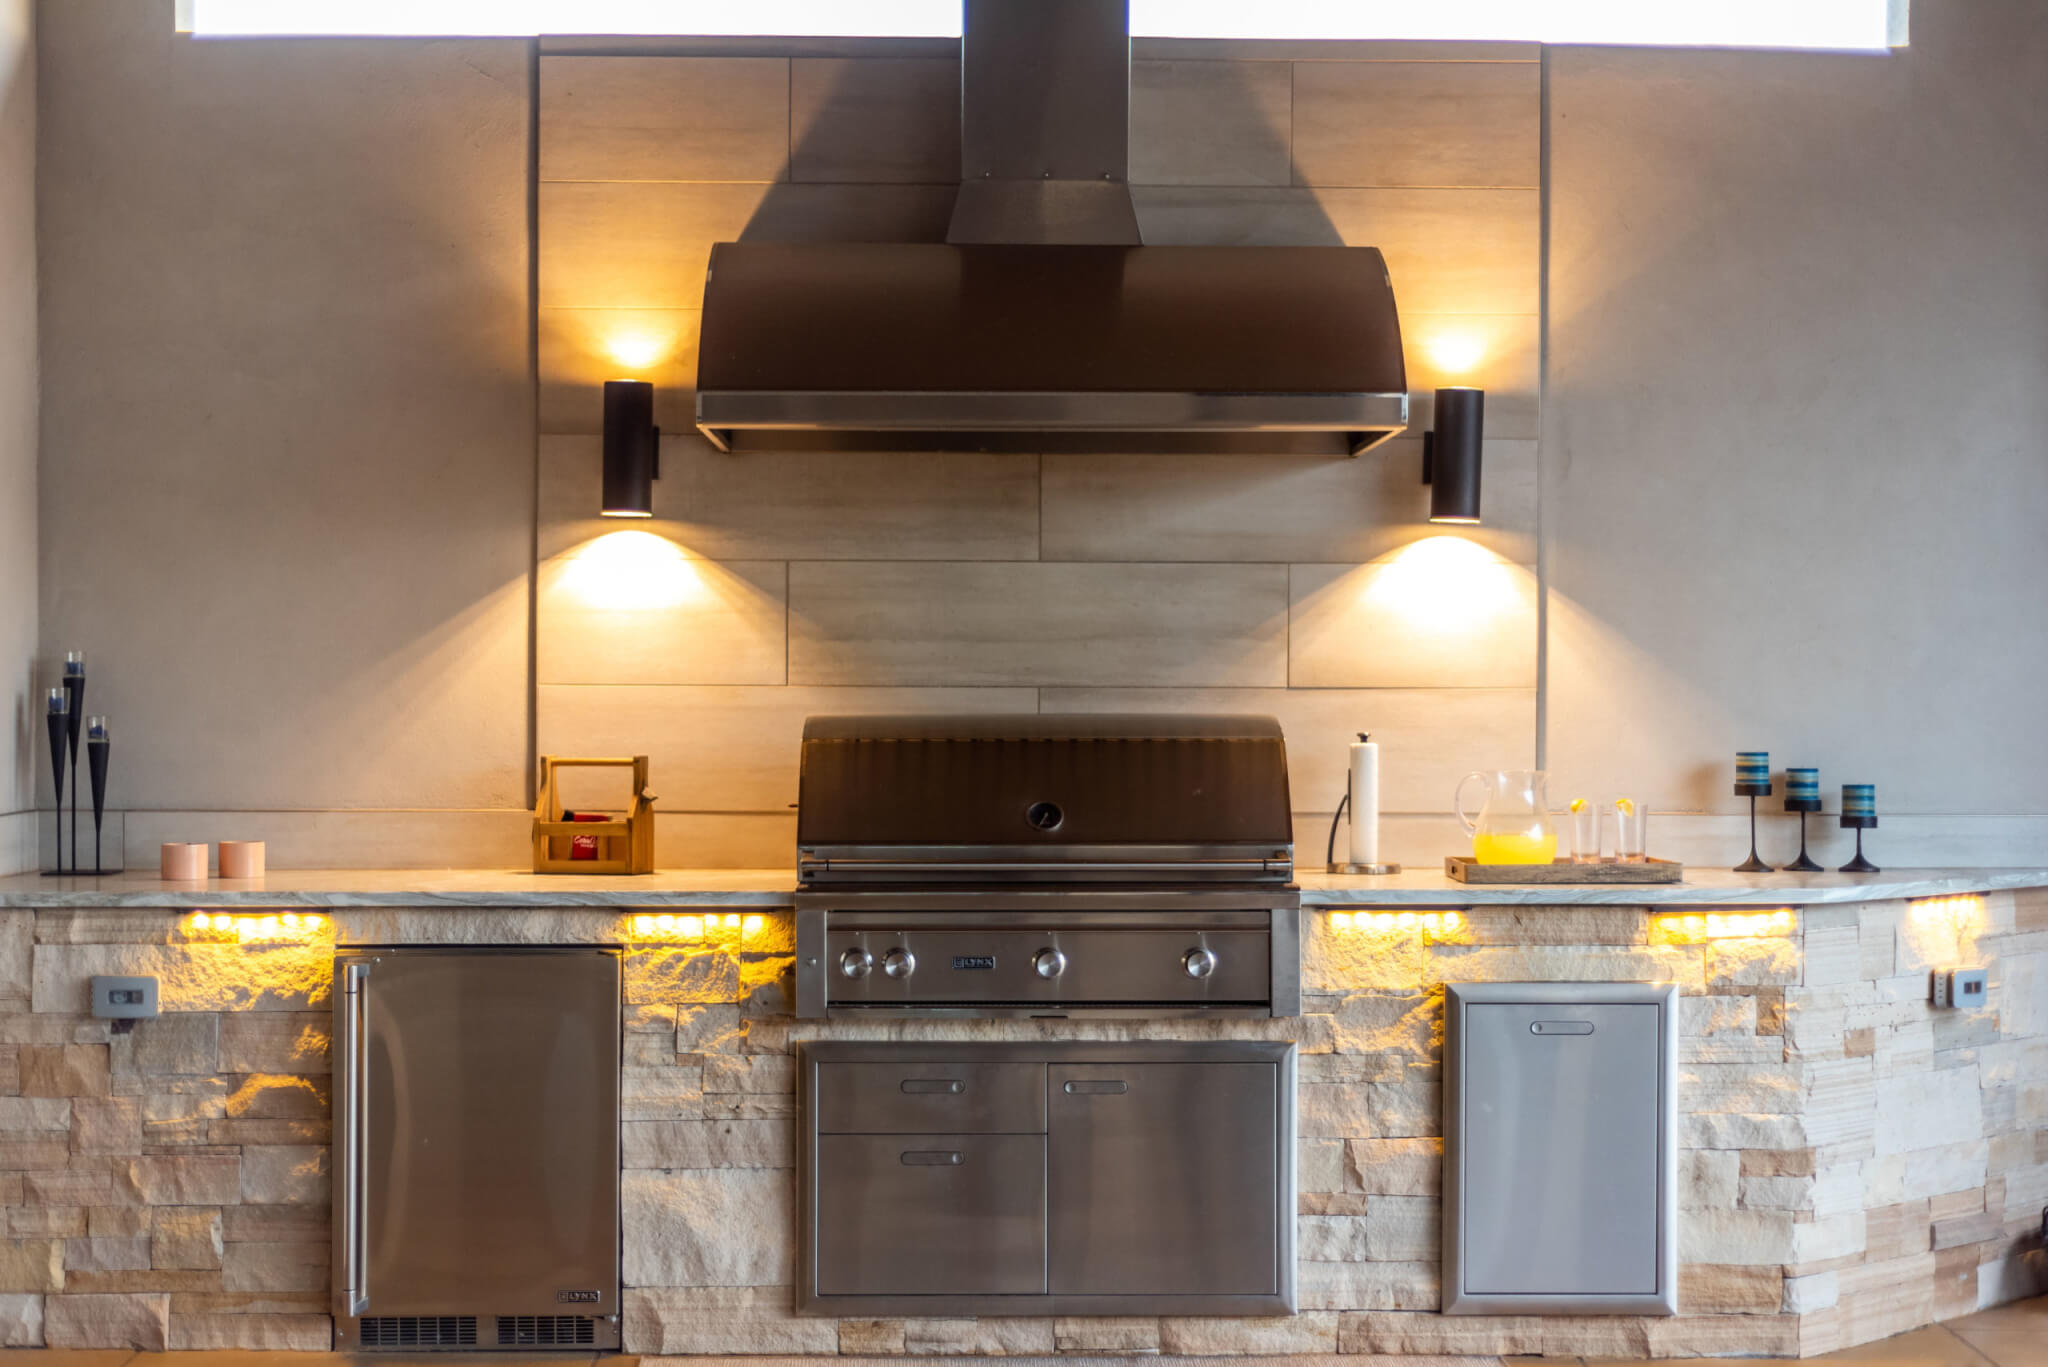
column 931, row 1158
column 1561, row 1027
column 933, row 1086
column 1097, row 1088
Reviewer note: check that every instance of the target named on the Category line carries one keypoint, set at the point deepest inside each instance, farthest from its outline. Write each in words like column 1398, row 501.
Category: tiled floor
column 2011, row 1336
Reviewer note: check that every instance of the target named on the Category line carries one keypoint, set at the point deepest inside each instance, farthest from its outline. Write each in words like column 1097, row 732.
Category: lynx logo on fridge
column 579, row 1297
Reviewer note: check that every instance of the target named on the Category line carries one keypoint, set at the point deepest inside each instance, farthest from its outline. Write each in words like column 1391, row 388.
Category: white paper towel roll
column 1365, row 802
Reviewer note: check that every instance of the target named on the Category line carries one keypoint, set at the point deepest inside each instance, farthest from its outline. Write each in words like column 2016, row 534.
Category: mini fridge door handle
column 355, row 1072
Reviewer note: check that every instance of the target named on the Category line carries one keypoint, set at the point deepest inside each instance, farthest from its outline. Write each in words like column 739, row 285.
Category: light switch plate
column 1965, row 988
column 124, row 998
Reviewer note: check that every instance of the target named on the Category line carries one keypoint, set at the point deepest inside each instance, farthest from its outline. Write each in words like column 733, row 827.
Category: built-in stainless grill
column 1046, row 866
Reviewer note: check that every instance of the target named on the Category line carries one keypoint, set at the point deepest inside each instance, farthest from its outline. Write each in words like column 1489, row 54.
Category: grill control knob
column 1199, row 962
column 1049, row 963
column 855, row 963
column 899, row 963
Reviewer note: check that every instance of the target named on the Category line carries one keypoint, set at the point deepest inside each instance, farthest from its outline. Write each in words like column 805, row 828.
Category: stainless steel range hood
column 1043, row 323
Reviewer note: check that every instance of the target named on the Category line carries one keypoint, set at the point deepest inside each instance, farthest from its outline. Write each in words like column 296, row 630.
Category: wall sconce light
column 1450, row 456
column 632, row 449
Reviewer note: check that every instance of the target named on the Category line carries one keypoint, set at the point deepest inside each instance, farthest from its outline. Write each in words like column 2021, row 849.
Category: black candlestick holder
column 74, row 693
column 1802, row 805
column 60, row 731
column 99, row 744
column 1859, row 824
column 1752, row 791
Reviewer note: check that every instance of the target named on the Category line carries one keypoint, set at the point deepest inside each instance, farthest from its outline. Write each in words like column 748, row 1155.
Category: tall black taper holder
column 1802, row 795
column 60, row 732
column 1859, row 814
column 1752, row 780
column 74, row 692
column 98, row 742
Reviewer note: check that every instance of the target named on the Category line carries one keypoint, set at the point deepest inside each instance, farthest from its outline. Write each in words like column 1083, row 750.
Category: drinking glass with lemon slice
column 1631, row 831
column 1587, row 818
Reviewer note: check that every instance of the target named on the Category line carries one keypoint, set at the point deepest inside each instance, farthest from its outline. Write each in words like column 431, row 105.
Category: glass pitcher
column 1514, row 825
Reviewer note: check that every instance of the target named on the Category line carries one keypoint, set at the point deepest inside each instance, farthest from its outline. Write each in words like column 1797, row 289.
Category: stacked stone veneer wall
column 1854, row 1162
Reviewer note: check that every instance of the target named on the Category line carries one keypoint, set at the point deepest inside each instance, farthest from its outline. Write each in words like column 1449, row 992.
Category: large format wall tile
column 1136, row 625
column 786, row 505
column 1428, row 736
column 664, row 118
column 620, row 245
column 631, row 607
column 1448, row 251
column 1273, row 508
column 1418, row 123
column 1442, row 614
column 729, row 749
column 1210, row 123
column 640, row 245
column 875, row 119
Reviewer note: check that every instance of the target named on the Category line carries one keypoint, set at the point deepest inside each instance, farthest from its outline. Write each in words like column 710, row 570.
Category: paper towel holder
column 1330, row 855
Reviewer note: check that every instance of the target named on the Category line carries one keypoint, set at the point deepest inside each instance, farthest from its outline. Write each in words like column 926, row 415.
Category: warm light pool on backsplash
column 1446, row 586
column 632, row 571
column 1397, row 922
column 690, row 928
column 287, row 927
column 1693, row 927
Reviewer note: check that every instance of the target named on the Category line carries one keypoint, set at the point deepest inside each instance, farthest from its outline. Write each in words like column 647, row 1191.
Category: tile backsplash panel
column 772, row 586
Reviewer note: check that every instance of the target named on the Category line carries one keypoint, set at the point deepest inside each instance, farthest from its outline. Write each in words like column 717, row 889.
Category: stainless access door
column 1163, row 1178
column 477, row 1133
column 1559, row 1148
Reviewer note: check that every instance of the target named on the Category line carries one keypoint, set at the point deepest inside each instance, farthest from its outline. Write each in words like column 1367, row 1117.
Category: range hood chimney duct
column 1045, row 124
column 1043, row 323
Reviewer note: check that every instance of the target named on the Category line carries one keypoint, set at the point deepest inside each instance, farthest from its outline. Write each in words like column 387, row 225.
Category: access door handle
column 1098, row 1087
column 931, row 1158
column 355, row 1172
column 933, row 1086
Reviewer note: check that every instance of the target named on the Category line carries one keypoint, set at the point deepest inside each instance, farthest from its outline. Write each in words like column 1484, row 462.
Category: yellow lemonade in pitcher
column 1515, row 847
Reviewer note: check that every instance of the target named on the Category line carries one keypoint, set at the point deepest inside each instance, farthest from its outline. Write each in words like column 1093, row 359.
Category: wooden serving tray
column 1465, row 869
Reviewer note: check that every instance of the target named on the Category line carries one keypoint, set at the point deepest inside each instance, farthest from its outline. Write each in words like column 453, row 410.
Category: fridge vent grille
column 418, row 1331
column 545, row 1331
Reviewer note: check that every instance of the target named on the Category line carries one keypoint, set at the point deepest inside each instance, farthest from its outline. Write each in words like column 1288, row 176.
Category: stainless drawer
column 930, row 1098
column 930, row 1214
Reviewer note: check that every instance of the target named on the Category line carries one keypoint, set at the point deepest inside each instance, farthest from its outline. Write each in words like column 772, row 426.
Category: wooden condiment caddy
column 622, row 846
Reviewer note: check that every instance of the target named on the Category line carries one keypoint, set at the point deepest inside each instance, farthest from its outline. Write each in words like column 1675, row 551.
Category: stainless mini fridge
column 476, row 1136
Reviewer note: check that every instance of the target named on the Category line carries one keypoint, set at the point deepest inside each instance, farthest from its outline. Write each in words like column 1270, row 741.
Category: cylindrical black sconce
column 632, row 449
column 1450, row 455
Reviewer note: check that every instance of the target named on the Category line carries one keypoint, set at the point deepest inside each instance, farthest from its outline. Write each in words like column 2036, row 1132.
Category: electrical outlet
column 124, row 998
column 1964, row 988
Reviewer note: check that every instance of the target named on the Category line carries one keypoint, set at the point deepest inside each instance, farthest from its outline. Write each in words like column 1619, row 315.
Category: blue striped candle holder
column 1802, row 795
column 1752, row 780
column 1859, row 814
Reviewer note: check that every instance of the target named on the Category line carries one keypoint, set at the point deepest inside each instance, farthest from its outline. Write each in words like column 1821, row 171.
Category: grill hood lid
column 1043, row 323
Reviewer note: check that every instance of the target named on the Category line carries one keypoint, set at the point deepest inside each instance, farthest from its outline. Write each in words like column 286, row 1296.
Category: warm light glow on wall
column 1840, row 24
column 632, row 571
column 690, row 927
column 1454, row 352
column 1446, row 585
column 1695, row 927
column 290, row 927
column 639, row 350
column 1432, row 923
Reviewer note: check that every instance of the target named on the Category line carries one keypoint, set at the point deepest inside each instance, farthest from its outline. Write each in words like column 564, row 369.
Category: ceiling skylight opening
column 1843, row 25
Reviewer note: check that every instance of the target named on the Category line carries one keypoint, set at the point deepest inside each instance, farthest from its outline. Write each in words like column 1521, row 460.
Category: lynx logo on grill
column 974, row 963
column 579, row 1297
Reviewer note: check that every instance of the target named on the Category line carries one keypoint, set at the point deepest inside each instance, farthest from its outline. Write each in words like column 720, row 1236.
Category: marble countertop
column 334, row 888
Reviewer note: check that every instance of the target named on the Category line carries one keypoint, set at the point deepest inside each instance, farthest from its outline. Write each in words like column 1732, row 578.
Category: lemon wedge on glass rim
column 1578, row 804
column 1625, row 805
